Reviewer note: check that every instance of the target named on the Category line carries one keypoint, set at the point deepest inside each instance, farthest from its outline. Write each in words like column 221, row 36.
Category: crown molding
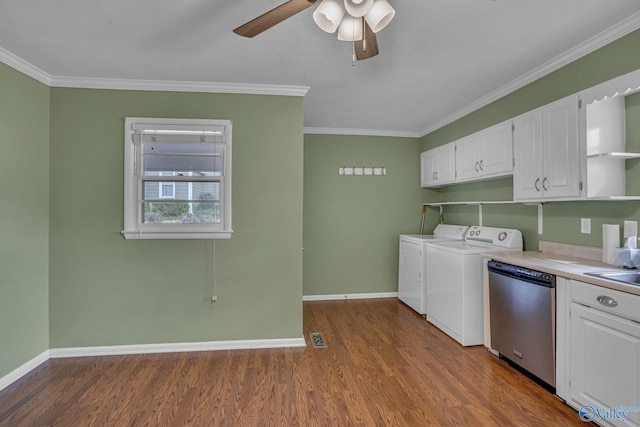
column 36, row 73
column 24, row 67
column 619, row 30
column 361, row 132
column 177, row 86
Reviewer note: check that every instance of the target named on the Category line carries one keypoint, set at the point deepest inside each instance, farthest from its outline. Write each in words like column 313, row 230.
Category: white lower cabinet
column 604, row 355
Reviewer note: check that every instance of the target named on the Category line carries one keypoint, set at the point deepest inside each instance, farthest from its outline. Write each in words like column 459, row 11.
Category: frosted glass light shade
column 358, row 8
column 329, row 15
column 380, row 15
column 350, row 29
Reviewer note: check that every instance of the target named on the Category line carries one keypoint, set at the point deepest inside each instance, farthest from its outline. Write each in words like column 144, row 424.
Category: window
column 177, row 179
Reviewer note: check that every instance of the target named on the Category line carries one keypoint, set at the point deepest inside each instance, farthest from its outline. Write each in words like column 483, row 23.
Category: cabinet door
column 605, row 362
column 446, row 171
column 468, row 158
column 428, row 166
column 561, row 149
column 527, row 152
column 496, row 143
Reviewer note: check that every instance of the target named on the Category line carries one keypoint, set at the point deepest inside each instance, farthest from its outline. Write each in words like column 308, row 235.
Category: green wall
column 24, row 219
column 70, row 279
column 561, row 220
column 352, row 223
column 106, row 290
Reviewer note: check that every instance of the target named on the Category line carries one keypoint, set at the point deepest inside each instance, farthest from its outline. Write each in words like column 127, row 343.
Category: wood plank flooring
column 384, row 366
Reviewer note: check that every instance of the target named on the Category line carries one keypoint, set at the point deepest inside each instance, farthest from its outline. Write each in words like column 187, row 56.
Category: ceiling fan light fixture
column 380, row 14
column 350, row 29
column 329, row 14
column 358, row 8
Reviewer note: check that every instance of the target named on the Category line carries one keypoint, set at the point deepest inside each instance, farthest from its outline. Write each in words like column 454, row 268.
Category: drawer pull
column 607, row 301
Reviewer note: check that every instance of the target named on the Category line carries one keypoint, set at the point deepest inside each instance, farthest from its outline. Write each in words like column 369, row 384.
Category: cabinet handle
column 481, row 165
column 607, row 301
column 477, row 167
column 433, row 175
column 544, row 183
column 436, row 174
column 537, row 185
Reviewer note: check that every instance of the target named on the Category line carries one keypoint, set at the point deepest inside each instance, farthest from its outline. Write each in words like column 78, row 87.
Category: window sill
column 135, row 235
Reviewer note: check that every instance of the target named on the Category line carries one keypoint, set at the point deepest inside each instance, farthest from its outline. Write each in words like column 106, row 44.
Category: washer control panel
column 507, row 238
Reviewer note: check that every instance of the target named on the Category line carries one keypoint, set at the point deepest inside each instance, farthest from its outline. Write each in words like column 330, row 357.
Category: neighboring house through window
column 167, row 190
column 177, row 179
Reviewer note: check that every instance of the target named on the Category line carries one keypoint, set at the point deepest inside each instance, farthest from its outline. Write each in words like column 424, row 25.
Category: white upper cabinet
column 497, row 142
column 437, row 166
column 467, row 154
column 481, row 155
column 427, row 168
column 571, row 149
column 527, row 152
column 485, row 154
column 547, row 152
column 561, row 148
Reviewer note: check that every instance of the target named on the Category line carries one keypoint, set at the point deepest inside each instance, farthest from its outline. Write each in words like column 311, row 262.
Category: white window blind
column 177, row 178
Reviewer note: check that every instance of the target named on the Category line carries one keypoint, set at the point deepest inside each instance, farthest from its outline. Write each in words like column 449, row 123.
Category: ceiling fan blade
column 273, row 17
column 370, row 48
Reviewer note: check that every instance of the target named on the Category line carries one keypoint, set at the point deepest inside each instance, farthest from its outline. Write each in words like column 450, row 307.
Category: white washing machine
column 411, row 265
column 454, row 281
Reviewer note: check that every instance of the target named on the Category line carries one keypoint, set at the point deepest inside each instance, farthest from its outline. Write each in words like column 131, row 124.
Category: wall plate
column 630, row 228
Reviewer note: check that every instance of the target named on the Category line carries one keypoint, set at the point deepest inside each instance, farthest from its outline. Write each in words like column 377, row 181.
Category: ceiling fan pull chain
column 353, row 55
column 353, row 34
column 364, row 36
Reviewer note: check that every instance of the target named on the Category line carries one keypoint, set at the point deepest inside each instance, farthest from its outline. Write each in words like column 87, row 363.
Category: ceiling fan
column 357, row 21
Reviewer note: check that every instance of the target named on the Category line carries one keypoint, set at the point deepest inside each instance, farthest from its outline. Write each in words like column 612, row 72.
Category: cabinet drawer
column 604, row 299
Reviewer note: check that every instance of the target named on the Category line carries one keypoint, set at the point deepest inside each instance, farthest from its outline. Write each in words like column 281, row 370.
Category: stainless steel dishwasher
column 522, row 307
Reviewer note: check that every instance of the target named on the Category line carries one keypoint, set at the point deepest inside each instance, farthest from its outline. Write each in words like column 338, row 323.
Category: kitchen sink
column 628, row 277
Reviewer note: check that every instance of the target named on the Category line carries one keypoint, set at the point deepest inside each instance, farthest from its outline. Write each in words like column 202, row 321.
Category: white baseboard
column 175, row 347
column 21, row 371
column 349, row 296
column 57, row 353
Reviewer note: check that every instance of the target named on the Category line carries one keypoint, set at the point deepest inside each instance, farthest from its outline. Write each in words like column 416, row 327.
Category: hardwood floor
column 384, row 366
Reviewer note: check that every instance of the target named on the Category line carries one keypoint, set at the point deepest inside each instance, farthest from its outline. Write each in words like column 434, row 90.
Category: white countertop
column 564, row 266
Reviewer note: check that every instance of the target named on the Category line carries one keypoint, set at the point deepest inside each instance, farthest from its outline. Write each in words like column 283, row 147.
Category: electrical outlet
column 630, row 228
column 585, row 225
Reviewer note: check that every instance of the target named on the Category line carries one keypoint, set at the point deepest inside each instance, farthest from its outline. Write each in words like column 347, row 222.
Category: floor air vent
column 317, row 340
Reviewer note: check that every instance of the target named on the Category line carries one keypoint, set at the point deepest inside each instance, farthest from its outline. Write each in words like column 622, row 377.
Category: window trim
column 134, row 228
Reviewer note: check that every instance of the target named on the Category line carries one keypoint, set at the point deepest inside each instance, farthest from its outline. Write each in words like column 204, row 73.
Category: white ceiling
column 438, row 58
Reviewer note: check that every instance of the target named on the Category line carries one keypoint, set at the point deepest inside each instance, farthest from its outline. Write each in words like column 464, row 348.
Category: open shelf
column 614, row 155
column 472, row 203
column 614, row 198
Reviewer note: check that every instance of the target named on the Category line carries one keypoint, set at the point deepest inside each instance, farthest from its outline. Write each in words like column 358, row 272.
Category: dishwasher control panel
column 522, row 272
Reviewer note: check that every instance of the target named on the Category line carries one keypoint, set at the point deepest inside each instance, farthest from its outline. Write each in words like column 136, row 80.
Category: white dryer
column 411, row 266
column 454, row 281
